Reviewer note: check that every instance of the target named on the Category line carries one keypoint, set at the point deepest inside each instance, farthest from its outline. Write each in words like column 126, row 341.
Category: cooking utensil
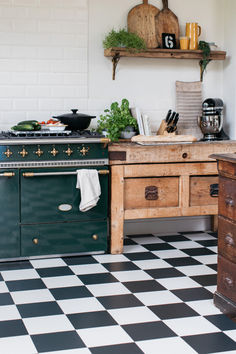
column 141, row 20
column 170, row 120
column 166, row 22
column 75, row 121
column 168, row 115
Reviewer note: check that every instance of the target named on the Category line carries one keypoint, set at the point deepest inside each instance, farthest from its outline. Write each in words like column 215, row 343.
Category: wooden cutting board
column 163, row 139
column 166, row 22
column 141, row 20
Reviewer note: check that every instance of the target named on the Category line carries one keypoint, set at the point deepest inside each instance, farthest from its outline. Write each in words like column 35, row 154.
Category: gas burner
column 42, row 134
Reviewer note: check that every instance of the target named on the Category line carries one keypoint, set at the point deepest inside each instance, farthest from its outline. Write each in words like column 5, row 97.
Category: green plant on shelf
column 116, row 119
column 123, row 38
column 206, row 51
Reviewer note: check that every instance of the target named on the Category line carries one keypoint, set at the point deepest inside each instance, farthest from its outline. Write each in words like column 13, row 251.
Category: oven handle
column 7, row 174
column 37, row 174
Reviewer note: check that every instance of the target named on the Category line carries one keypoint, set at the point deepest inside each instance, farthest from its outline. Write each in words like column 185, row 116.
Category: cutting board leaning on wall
column 141, row 20
column 166, row 22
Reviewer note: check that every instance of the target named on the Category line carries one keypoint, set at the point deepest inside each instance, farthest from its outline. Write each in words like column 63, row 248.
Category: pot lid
column 74, row 114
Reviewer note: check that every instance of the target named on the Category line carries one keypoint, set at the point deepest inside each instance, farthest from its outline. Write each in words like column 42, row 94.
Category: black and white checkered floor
column 154, row 298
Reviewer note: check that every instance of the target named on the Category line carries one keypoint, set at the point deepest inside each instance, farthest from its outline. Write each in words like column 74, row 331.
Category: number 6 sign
column 168, row 41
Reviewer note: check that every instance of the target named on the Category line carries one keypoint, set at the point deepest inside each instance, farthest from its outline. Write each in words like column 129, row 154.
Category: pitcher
column 193, row 31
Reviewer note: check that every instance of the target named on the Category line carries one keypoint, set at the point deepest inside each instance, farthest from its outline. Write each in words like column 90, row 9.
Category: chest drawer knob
column 185, row 155
column 151, row 193
column 229, row 240
column 229, row 202
column 95, row 237
column 35, row 240
column 228, row 282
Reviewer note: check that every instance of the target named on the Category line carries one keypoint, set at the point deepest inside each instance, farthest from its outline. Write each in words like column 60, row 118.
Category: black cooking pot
column 75, row 121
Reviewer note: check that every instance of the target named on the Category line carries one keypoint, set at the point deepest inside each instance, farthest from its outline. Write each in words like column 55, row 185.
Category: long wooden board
column 163, row 139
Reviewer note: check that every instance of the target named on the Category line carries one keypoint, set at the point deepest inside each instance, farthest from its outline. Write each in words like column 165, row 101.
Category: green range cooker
column 39, row 200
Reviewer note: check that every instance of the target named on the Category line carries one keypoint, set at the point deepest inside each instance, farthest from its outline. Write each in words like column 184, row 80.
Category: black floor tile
column 129, row 348
column 99, row 278
column 120, row 266
column 27, row 284
column 79, row 260
column 205, row 280
column 208, row 243
column 174, row 238
column 12, row 328
column 158, row 247
column 57, row 341
column 129, row 241
column 140, row 256
column 182, row 261
column 143, row 286
column 91, row 319
column 119, row 301
column 39, row 309
column 54, row 272
column 1, row 278
column 149, row 330
column 222, row 322
column 164, row 273
column 210, row 343
column 201, row 251
column 213, row 266
column 6, row 299
column 15, row 265
column 169, row 311
column 73, row 292
column 193, row 294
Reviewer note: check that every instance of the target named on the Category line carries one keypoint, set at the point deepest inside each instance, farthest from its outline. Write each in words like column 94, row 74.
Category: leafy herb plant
column 204, row 46
column 116, row 119
column 123, row 38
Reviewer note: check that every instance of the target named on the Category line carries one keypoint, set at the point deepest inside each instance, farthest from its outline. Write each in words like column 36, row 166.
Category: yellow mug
column 184, row 43
column 193, row 31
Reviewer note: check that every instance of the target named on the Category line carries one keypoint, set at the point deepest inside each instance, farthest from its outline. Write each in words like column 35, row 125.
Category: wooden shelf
column 117, row 53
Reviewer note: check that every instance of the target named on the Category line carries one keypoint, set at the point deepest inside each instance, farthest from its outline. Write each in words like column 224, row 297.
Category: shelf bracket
column 115, row 61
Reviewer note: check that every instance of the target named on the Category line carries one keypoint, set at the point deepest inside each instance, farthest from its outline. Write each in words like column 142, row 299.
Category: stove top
column 43, row 134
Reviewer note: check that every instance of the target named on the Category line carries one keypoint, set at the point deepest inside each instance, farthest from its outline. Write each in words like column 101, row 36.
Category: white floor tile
column 213, row 249
column 185, row 244
column 80, row 305
column 108, row 289
column 148, row 240
column 196, row 270
column 204, row 307
column 19, row 274
column 199, row 237
column 47, row 324
column 95, row 337
column 132, row 275
column 152, row 264
column 178, row 283
column 9, row 312
column 211, row 288
column 134, row 249
column 13, row 345
column 166, row 346
column 111, row 258
column 209, row 259
column 157, row 298
column 88, row 269
column 231, row 334
column 31, row 296
column 48, row 263
column 165, row 254
column 62, row 282
column 191, row 326
column 3, row 287
column 133, row 315
column 70, row 351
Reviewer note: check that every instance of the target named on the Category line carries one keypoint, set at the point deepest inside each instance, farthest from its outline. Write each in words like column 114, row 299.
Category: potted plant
column 117, row 120
column 123, row 38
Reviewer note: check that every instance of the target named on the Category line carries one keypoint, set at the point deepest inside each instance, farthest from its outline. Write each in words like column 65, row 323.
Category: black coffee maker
column 211, row 121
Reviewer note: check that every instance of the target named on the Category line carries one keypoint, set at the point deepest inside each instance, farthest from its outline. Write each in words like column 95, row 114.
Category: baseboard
column 179, row 224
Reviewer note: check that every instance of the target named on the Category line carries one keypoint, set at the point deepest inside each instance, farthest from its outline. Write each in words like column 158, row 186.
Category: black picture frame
column 168, row 41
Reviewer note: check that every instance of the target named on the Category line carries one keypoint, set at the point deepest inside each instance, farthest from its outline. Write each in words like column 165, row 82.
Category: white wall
column 229, row 84
column 45, row 70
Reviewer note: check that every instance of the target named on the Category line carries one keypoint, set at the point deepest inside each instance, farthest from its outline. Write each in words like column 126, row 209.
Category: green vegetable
column 122, row 38
column 204, row 46
column 33, row 123
column 23, row 127
column 28, row 122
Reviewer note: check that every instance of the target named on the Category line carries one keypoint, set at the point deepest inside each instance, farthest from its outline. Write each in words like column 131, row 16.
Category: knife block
column 162, row 129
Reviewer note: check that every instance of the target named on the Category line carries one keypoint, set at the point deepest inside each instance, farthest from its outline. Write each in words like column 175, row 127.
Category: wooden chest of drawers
column 225, row 296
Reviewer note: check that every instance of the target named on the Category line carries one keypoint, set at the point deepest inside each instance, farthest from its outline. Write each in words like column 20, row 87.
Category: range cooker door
column 9, row 214
column 50, row 195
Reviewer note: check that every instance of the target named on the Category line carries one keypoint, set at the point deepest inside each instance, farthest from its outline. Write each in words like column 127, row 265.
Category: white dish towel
column 90, row 189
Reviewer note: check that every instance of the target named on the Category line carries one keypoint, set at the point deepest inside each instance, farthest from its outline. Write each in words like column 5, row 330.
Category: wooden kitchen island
column 164, row 180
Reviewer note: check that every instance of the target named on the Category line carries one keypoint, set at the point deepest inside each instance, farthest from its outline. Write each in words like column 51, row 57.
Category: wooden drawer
column 226, row 278
column 151, row 192
column 227, row 198
column 227, row 238
column 200, row 190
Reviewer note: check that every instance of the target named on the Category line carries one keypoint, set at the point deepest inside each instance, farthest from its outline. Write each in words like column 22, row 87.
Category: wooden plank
column 163, row 138
column 164, row 54
column 117, row 210
column 184, row 191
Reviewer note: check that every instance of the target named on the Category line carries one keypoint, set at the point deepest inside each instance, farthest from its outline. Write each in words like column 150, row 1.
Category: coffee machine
column 211, row 121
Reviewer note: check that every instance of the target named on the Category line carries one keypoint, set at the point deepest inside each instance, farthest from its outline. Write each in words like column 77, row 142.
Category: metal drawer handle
column 229, row 240
column 42, row 174
column 7, row 174
column 229, row 202
column 35, row 241
column 214, row 190
column 151, row 193
column 229, row 283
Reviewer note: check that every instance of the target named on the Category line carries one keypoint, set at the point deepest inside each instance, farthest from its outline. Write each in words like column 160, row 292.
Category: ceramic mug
column 193, row 31
column 184, row 43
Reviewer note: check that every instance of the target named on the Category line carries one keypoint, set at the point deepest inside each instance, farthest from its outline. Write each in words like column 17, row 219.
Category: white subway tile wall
column 43, row 58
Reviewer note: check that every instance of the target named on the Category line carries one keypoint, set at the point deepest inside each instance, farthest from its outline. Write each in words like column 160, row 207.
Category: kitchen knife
column 170, row 120
column 168, row 116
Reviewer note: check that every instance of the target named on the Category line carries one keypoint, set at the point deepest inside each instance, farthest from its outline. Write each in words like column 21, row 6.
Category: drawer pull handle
column 229, row 202
column 229, row 240
column 95, row 237
column 35, row 241
column 214, row 190
column 228, row 282
column 185, row 155
column 151, row 193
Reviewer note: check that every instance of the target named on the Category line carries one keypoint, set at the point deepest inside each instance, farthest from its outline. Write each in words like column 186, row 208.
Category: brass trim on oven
column 43, row 174
column 7, row 174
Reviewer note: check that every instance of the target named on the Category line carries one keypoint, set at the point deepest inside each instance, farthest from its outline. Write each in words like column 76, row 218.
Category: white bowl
column 53, row 127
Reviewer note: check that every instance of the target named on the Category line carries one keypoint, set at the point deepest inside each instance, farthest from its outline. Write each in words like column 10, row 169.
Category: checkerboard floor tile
column 156, row 297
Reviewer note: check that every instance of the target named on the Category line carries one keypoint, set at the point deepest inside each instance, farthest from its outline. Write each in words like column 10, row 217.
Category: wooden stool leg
column 214, row 224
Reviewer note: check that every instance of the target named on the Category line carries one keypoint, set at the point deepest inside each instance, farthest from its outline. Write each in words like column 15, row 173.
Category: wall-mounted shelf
column 117, row 53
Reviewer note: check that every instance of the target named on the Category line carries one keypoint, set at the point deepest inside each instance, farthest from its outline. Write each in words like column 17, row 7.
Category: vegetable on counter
column 27, row 125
